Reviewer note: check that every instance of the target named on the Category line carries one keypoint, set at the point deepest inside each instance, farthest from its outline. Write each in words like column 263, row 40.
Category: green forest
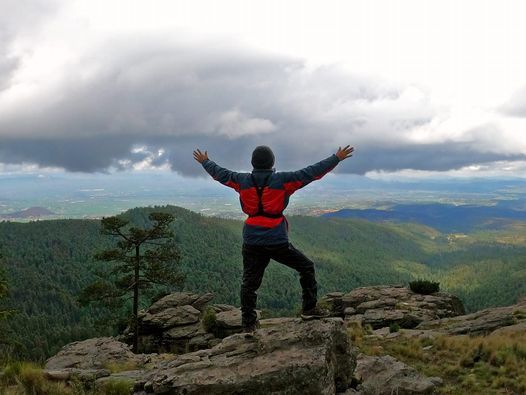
column 48, row 263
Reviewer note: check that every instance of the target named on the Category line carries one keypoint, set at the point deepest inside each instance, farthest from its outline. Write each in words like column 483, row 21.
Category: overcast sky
column 420, row 88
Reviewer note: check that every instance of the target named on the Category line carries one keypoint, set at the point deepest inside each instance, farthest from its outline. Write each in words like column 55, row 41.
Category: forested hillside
column 49, row 262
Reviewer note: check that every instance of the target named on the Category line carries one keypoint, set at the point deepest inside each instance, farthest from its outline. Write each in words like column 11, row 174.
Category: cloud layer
column 131, row 96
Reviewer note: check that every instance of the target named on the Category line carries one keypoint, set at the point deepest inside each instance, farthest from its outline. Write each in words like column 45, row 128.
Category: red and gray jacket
column 264, row 195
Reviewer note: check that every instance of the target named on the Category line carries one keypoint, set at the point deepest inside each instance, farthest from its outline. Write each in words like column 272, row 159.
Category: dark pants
column 255, row 260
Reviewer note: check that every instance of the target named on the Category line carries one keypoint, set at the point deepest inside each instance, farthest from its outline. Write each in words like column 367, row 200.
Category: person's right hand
column 199, row 156
column 344, row 153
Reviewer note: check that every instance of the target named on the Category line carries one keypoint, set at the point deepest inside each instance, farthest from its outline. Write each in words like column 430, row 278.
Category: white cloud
column 235, row 124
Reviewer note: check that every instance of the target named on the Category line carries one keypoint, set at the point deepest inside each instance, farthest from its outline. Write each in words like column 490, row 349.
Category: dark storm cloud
column 433, row 157
column 148, row 92
column 83, row 154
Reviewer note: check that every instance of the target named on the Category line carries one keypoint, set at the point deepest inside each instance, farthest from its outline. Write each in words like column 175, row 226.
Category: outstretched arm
column 218, row 173
column 295, row 180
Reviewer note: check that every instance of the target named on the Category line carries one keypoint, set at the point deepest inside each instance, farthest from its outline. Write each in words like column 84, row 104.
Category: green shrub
column 394, row 327
column 209, row 320
column 424, row 287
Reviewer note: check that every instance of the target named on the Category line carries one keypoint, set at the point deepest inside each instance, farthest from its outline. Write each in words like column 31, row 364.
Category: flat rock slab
column 481, row 322
column 385, row 375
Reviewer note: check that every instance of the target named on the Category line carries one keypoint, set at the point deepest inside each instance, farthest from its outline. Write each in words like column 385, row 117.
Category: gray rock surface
column 181, row 299
column 287, row 357
column 170, row 317
column 229, row 319
column 295, row 357
column 385, row 375
column 222, row 307
column 481, row 322
column 511, row 330
column 96, row 353
column 173, row 324
column 382, row 305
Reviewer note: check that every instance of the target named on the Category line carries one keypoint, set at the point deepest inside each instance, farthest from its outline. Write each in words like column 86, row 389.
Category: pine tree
column 142, row 259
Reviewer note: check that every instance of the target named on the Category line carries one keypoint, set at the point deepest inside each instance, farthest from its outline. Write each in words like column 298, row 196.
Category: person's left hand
column 344, row 153
column 199, row 156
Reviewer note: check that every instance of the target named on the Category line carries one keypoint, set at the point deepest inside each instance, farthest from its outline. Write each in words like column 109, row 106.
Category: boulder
column 170, row 317
column 176, row 299
column 96, row 353
column 383, row 305
column 385, row 375
column 294, row 357
column 481, row 322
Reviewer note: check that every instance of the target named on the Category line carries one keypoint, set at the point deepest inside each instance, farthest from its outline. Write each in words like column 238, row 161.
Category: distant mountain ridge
column 30, row 212
column 444, row 217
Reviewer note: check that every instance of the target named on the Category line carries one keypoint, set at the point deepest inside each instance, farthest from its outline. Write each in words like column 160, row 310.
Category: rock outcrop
column 192, row 347
column 173, row 324
column 381, row 306
column 481, row 322
column 291, row 356
column 385, row 375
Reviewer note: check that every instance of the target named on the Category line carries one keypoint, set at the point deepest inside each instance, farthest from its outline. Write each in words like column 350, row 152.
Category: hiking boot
column 314, row 313
column 250, row 330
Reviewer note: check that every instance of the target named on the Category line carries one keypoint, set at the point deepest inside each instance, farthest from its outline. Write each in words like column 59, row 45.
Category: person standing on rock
column 264, row 195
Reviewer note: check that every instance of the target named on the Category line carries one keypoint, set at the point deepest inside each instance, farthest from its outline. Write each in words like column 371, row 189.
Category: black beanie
column 262, row 157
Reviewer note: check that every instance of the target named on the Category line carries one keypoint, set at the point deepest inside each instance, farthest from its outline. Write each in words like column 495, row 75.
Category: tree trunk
column 136, row 301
